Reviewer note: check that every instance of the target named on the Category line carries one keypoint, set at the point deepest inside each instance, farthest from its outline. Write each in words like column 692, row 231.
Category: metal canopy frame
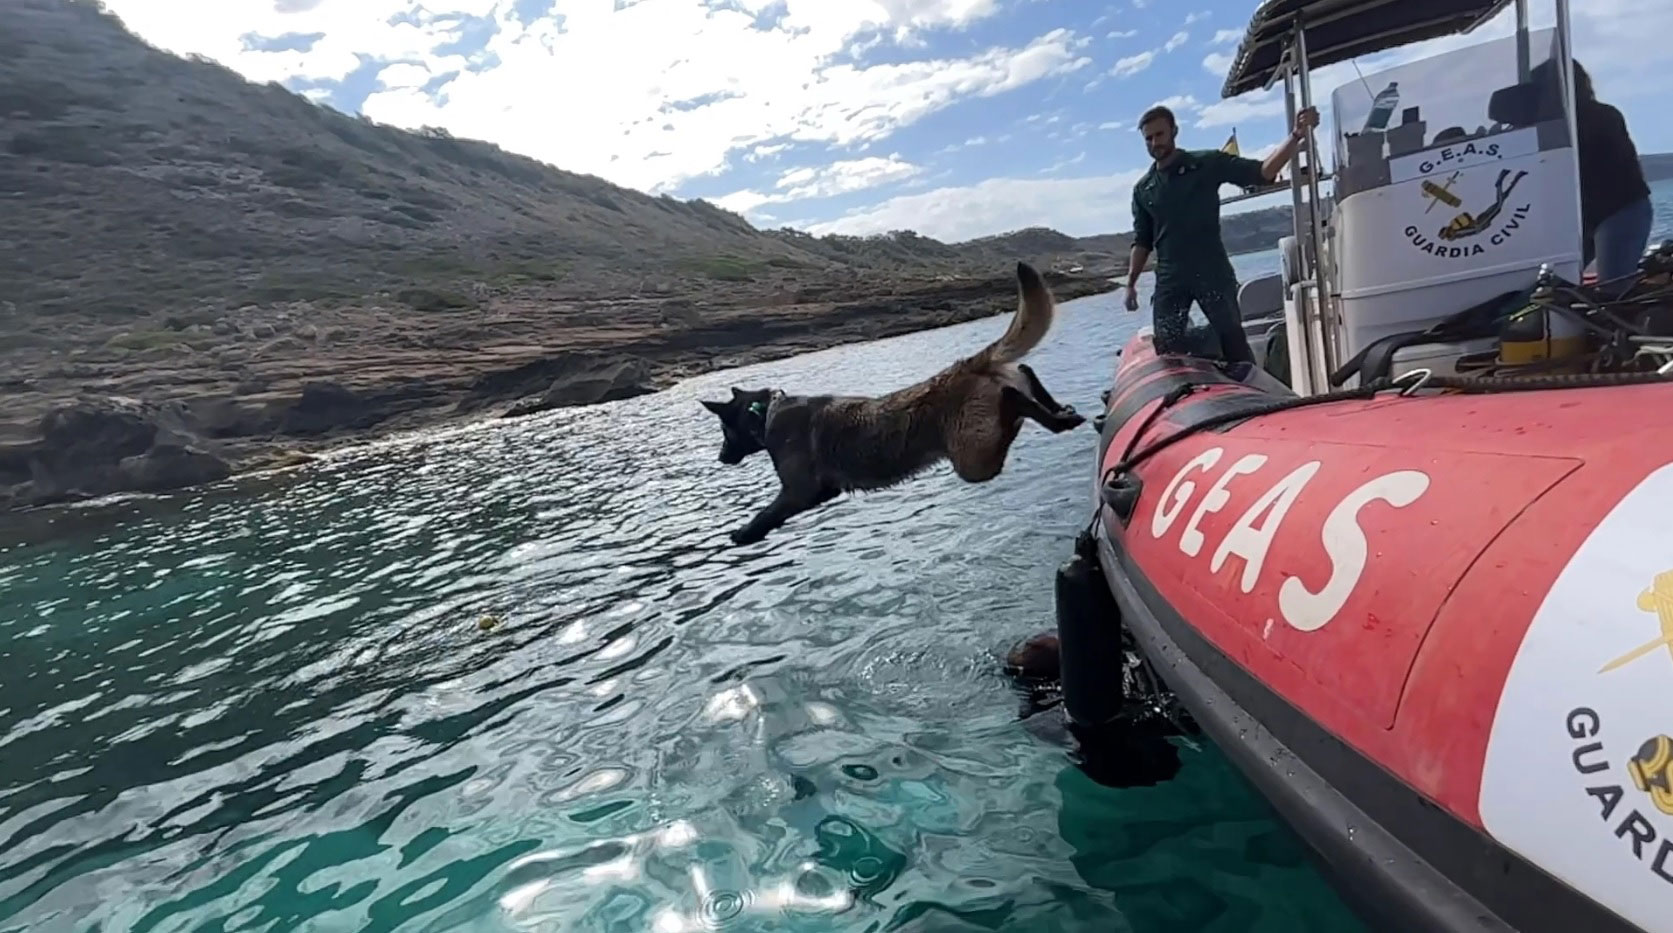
column 1338, row 30
column 1287, row 40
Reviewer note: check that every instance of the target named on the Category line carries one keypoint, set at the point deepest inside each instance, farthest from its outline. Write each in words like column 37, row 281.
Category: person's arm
column 1227, row 169
column 1247, row 173
column 1144, row 240
column 1137, row 259
column 1274, row 163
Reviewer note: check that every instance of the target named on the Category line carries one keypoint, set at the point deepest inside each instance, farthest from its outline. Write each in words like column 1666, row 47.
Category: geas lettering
column 1251, row 536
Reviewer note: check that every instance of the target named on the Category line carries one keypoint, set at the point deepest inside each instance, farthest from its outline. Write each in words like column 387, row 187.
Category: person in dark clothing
column 1176, row 215
column 1615, row 210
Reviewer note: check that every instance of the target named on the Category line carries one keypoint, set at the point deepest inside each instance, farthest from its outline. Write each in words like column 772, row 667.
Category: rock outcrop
column 100, row 445
column 604, row 381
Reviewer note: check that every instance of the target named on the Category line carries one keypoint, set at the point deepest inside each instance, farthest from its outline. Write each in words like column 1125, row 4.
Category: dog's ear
column 718, row 408
column 737, row 392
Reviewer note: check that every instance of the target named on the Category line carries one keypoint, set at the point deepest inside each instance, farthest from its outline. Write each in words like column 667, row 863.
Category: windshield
column 1446, row 112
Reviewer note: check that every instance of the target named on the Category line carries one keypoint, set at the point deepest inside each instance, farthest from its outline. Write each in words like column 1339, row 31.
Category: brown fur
column 969, row 414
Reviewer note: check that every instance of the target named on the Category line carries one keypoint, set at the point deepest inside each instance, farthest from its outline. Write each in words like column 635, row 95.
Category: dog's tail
column 1035, row 307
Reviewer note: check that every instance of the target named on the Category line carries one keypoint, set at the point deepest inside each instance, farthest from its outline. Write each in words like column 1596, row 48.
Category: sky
column 954, row 118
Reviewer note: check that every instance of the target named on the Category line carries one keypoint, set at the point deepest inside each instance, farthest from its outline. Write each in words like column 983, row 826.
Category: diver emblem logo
column 1470, row 234
column 1659, row 600
column 1441, row 193
column 1652, row 772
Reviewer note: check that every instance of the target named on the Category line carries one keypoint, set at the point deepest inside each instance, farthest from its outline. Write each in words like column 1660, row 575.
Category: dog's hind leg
column 785, row 506
column 1019, row 403
column 978, row 452
column 978, row 459
column 978, row 443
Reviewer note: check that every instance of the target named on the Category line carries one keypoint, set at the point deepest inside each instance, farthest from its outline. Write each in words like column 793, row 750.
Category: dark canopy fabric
column 1338, row 30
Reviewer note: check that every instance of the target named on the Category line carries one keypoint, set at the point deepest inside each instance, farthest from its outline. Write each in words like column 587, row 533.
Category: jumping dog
column 969, row 414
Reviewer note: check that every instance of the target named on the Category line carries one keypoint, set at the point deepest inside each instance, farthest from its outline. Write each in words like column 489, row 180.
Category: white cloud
column 1110, row 125
column 647, row 95
column 1245, row 109
column 1196, row 17
column 1059, row 166
column 766, row 152
column 215, row 28
column 665, row 90
column 1076, row 206
column 808, row 182
column 970, row 143
column 403, row 75
column 1133, row 64
column 1179, row 103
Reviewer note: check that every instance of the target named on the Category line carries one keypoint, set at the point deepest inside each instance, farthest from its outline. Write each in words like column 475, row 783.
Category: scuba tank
column 1537, row 335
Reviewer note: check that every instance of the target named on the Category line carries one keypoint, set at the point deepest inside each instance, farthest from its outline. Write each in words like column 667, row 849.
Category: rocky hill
column 201, row 274
column 147, row 181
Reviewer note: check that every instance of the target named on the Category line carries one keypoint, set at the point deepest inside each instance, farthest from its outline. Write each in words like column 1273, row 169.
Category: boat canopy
column 1338, row 30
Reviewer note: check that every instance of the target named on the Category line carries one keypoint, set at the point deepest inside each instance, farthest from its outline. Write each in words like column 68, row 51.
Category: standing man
column 1176, row 215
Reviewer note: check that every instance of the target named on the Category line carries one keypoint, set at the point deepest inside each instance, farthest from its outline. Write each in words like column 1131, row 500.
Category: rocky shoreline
column 188, row 399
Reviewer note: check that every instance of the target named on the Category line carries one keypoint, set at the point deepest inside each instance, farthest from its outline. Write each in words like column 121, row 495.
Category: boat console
column 1449, row 241
column 1467, row 199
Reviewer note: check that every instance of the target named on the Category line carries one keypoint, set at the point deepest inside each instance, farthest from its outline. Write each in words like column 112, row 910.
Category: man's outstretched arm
column 1274, row 164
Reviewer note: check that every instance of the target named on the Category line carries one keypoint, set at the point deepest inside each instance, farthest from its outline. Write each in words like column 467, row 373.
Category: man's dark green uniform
column 1176, row 215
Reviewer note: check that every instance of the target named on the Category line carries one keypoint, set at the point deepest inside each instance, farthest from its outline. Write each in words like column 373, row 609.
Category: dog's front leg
column 784, row 507
column 779, row 511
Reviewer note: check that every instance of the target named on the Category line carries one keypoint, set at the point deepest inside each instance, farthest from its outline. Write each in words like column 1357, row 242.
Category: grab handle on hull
column 1120, row 491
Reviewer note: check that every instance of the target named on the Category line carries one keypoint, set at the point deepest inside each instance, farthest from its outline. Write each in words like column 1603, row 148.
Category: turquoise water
column 1661, row 197
column 267, row 706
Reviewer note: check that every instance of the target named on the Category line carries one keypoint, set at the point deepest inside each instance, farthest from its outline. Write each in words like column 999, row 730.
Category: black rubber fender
column 1089, row 639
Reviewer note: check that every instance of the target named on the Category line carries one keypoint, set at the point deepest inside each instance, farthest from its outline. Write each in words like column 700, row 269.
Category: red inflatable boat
column 1437, row 629
column 1428, row 610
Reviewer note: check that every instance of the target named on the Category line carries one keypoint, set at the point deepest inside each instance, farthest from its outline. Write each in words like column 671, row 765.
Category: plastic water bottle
column 1383, row 107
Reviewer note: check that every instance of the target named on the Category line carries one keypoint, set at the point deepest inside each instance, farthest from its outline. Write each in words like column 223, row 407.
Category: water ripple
column 269, row 705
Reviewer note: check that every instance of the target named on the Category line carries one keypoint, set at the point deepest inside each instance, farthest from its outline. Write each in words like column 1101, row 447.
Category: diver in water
column 1135, row 751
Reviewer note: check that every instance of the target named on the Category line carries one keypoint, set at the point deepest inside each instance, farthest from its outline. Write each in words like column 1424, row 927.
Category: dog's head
column 743, row 420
